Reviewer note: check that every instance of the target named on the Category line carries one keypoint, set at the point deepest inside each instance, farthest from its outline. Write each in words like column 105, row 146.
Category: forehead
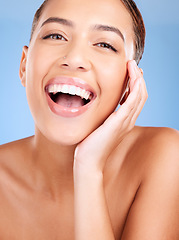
column 85, row 12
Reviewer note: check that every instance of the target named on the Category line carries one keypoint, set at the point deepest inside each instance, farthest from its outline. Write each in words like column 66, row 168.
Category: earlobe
column 22, row 69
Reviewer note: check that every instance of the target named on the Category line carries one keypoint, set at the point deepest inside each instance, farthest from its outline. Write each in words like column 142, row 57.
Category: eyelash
column 106, row 45
column 55, row 36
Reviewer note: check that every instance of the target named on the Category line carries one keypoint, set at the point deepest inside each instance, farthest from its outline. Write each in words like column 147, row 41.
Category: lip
column 69, row 112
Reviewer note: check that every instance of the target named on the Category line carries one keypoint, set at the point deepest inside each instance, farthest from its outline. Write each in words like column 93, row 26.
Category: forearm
column 92, row 219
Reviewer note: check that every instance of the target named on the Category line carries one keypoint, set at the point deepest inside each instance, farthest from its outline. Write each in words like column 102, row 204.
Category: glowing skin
column 87, row 58
column 91, row 174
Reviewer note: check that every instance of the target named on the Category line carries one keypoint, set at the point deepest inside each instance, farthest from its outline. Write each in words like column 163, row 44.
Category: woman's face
column 79, row 47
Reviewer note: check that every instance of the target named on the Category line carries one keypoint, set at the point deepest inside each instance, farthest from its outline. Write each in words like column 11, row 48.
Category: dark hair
column 138, row 25
column 37, row 17
column 139, row 28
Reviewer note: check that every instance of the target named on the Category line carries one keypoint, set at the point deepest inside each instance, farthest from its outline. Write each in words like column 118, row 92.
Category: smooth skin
column 97, row 176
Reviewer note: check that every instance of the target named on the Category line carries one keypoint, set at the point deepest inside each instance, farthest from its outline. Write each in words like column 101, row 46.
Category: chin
column 68, row 141
column 64, row 138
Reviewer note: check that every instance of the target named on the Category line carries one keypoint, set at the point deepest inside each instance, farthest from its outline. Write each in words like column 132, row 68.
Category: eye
column 106, row 45
column 55, row 36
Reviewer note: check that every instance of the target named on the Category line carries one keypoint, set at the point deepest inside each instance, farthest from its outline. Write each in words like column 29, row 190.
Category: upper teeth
column 70, row 89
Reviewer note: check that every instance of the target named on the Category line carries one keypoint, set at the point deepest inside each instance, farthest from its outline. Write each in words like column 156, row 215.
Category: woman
column 88, row 173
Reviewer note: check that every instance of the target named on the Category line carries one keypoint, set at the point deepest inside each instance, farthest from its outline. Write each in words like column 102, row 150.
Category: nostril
column 64, row 65
column 74, row 63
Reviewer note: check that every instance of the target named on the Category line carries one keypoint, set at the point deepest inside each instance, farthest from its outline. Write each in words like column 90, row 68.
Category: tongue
column 69, row 101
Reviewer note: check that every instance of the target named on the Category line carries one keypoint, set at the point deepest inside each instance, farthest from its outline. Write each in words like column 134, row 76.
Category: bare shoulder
column 14, row 147
column 161, row 137
column 15, row 168
column 159, row 145
column 155, row 134
column 157, row 149
column 145, row 148
column 14, row 153
column 156, row 201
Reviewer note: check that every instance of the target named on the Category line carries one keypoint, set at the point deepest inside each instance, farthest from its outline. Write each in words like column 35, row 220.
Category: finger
column 129, row 107
column 125, row 113
column 144, row 96
column 140, row 101
column 134, row 72
column 130, row 121
column 118, row 122
column 141, row 70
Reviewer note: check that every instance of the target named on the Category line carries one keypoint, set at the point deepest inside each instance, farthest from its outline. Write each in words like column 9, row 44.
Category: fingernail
column 141, row 70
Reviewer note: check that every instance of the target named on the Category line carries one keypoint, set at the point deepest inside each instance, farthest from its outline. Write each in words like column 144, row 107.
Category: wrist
column 84, row 174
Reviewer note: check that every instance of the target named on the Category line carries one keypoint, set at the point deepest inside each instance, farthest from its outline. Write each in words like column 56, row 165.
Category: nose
column 76, row 58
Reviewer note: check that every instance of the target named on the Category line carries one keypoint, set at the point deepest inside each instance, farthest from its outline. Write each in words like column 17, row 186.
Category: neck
column 53, row 165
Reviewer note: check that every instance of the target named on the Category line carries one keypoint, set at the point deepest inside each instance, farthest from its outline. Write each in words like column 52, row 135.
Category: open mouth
column 69, row 96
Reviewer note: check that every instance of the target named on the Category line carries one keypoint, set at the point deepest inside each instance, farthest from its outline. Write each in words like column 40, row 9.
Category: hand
column 93, row 151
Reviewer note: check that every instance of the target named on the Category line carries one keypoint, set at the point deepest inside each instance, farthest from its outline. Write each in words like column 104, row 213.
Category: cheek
column 39, row 62
column 38, row 66
column 112, row 79
column 36, row 70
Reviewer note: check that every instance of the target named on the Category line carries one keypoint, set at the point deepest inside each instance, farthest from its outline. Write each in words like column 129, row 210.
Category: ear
column 22, row 69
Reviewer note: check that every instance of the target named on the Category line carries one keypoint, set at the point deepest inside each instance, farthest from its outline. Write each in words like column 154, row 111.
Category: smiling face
column 79, row 49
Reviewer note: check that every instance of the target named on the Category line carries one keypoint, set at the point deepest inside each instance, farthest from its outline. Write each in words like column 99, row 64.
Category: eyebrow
column 58, row 20
column 107, row 28
column 98, row 27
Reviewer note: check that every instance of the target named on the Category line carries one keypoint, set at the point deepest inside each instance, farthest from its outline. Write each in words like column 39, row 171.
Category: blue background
column 160, row 64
